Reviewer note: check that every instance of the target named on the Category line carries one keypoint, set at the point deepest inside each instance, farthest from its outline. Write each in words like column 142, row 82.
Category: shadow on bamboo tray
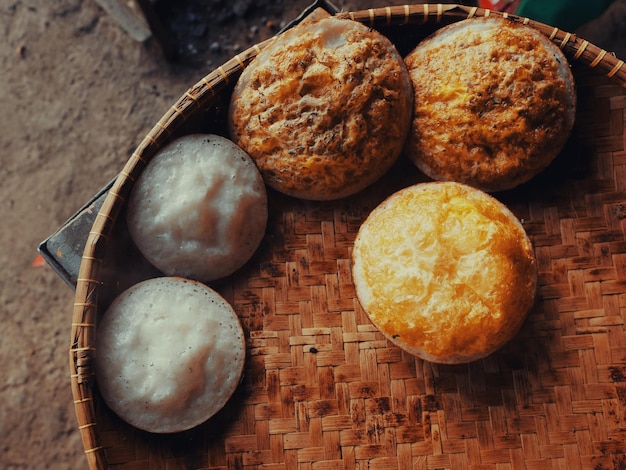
column 322, row 388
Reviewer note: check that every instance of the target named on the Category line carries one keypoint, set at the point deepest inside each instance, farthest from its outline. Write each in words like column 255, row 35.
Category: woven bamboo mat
column 322, row 388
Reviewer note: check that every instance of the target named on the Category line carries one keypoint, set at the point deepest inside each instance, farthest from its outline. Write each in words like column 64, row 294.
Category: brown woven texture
column 322, row 388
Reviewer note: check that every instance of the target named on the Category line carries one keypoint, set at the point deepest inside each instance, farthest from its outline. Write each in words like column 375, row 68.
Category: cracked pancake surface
column 494, row 103
column 324, row 109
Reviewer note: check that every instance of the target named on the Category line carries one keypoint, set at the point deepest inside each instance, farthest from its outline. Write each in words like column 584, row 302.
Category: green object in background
column 564, row 14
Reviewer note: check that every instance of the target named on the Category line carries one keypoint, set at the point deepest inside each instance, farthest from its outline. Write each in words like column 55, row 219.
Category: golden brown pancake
column 324, row 110
column 494, row 103
column 445, row 271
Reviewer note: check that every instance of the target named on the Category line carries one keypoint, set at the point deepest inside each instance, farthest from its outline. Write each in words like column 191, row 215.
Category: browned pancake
column 324, row 110
column 494, row 103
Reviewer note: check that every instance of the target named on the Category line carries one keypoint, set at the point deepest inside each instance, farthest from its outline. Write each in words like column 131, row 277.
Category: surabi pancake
column 199, row 208
column 445, row 271
column 170, row 353
column 324, row 109
column 494, row 104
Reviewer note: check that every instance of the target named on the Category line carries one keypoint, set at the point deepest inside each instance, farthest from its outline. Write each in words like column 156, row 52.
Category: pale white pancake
column 199, row 208
column 170, row 353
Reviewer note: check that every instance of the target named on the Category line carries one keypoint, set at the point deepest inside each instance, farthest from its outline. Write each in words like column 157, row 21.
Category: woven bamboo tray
column 322, row 388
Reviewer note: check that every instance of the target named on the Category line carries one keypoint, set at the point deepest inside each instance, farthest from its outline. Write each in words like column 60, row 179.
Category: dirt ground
column 77, row 95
